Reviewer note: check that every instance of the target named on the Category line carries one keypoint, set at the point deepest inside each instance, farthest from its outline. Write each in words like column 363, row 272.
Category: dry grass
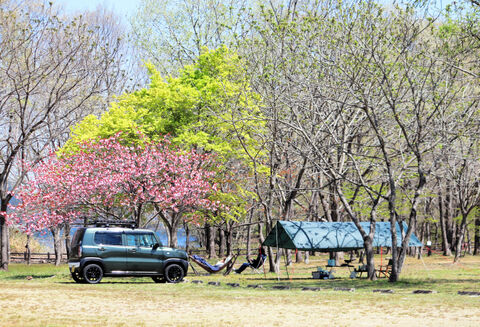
column 19, row 239
column 57, row 301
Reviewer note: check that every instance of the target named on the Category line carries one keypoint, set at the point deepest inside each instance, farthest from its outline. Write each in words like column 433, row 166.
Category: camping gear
column 212, row 269
column 385, row 270
column 331, row 236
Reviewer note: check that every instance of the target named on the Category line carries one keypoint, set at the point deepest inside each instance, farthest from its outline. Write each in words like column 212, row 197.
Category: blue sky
column 123, row 8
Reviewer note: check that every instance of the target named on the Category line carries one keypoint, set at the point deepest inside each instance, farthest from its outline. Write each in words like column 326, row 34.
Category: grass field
column 44, row 295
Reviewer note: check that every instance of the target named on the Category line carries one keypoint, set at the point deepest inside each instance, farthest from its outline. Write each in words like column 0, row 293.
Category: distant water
column 46, row 239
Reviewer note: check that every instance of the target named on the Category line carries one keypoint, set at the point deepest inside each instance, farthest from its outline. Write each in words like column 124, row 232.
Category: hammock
column 212, row 269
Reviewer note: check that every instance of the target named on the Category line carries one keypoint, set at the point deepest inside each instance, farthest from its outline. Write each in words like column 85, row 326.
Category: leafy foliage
column 209, row 106
column 105, row 178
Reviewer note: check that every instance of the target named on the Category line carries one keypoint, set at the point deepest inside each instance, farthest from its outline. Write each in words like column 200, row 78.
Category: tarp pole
column 286, row 265
column 276, row 239
column 381, row 256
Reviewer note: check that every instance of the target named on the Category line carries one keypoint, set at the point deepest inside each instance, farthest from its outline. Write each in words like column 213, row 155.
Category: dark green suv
column 120, row 252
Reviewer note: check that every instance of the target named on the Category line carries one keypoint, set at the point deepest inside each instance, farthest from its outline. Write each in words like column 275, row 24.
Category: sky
column 126, row 8
column 123, row 8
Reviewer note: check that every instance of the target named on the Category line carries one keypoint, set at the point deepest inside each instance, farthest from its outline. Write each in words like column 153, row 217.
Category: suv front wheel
column 158, row 279
column 92, row 273
column 174, row 273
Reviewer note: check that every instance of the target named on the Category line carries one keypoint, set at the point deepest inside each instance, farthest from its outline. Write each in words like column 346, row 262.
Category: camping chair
column 385, row 270
column 212, row 269
column 258, row 263
column 360, row 270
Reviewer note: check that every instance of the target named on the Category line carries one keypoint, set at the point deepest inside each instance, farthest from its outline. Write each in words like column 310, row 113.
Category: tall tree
column 52, row 69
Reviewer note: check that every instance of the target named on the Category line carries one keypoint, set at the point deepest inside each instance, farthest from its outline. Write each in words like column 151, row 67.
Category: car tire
column 158, row 279
column 93, row 273
column 78, row 278
column 174, row 273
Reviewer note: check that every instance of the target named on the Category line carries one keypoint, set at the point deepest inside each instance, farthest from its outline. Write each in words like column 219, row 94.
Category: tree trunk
column 210, row 238
column 172, row 235
column 249, row 234
column 187, row 236
column 476, row 247
column 307, row 257
column 57, row 245
column 370, row 259
column 325, row 207
column 450, row 223
column 229, row 239
column 299, row 257
column 394, row 275
column 445, row 245
column 278, row 258
column 171, row 220
column 468, row 241
column 361, row 257
column 206, row 233
column 4, row 238
column 461, row 234
column 288, row 255
column 68, row 241
column 28, row 253
column 333, row 202
column 221, row 248
column 428, row 233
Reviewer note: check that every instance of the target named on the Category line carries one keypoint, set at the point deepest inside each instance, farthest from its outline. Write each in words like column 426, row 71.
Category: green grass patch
column 46, row 295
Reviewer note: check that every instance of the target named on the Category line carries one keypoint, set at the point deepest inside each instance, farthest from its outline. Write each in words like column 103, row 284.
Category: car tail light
column 79, row 251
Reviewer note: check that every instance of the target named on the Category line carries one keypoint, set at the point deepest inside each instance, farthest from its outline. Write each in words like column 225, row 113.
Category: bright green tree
column 209, row 106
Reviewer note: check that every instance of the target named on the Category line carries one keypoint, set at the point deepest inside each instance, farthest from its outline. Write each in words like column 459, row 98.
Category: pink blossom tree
column 106, row 178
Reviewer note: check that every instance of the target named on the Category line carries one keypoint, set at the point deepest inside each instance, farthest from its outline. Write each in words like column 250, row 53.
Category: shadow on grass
column 107, row 282
column 27, row 276
column 365, row 284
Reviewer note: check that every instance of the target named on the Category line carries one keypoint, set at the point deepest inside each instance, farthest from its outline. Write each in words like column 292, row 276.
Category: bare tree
column 172, row 34
column 54, row 69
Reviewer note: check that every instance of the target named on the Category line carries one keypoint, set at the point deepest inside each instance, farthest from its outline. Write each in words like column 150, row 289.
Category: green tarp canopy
column 336, row 236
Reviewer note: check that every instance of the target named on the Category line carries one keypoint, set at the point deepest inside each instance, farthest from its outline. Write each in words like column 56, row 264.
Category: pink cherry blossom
column 109, row 179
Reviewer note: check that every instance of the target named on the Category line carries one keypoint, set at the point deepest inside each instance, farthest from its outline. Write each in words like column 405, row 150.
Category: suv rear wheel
column 92, row 273
column 174, row 273
column 77, row 277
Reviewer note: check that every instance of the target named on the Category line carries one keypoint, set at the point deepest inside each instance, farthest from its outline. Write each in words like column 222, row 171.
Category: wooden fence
column 48, row 257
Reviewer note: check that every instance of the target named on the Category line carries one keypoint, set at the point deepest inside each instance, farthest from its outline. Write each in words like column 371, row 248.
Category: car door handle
column 133, row 250
column 101, row 249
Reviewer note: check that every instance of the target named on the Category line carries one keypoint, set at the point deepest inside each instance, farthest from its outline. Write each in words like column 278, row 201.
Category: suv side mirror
column 155, row 246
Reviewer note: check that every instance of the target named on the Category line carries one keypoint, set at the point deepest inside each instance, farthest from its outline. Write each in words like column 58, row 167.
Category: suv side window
column 141, row 239
column 108, row 238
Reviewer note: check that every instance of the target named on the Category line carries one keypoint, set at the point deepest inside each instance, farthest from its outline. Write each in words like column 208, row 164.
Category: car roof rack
column 117, row 223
